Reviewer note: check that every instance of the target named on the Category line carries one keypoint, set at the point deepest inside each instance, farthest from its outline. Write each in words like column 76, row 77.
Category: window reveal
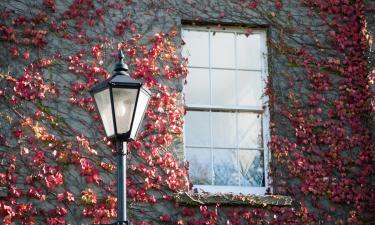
column 226, row 124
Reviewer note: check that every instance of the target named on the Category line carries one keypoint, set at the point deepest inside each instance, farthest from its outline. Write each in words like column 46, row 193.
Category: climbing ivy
column 59, row 168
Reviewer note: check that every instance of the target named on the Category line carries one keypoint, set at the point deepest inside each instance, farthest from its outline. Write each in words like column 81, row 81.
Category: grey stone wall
column 288, row 29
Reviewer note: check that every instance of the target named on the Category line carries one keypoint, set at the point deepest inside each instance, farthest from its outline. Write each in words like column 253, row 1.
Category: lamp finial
column 121, row 56
column 121, row 66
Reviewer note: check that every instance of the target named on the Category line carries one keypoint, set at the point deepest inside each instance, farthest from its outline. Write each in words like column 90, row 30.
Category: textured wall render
column 58, row 168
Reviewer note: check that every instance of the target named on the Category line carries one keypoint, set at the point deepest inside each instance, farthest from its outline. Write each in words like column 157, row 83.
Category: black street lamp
column 121, row 102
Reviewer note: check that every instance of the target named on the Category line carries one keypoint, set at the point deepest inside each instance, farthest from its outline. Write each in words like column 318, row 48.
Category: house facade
column 260, row 113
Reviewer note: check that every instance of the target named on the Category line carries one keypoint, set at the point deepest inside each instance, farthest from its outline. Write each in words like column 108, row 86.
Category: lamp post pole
column 121, row 182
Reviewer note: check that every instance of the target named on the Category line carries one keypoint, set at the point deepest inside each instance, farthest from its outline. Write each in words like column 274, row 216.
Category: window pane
column 248, row 51
column 198, row 87
column 197, row 128
column 196, row 47
column 223, row 52
column 223, row 87
column 250, row 130
column 225, row 167
column 249, row 88
column 200, row 165
column 251, row 168
column 224, row 129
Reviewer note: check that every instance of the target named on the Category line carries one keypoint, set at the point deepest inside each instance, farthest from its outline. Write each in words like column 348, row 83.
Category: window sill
column 230, row 199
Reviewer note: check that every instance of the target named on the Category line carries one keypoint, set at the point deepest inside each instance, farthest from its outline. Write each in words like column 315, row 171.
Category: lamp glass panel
column 103, row 103
column 142, row 103
column 124, row 102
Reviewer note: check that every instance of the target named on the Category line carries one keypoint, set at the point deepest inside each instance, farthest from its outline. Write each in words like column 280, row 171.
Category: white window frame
column 264, row 110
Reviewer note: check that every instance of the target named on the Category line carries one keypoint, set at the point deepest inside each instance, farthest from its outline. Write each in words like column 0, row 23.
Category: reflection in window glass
column 251, row 168
column 225, row 167
column 250, row 130
column 200, row 169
